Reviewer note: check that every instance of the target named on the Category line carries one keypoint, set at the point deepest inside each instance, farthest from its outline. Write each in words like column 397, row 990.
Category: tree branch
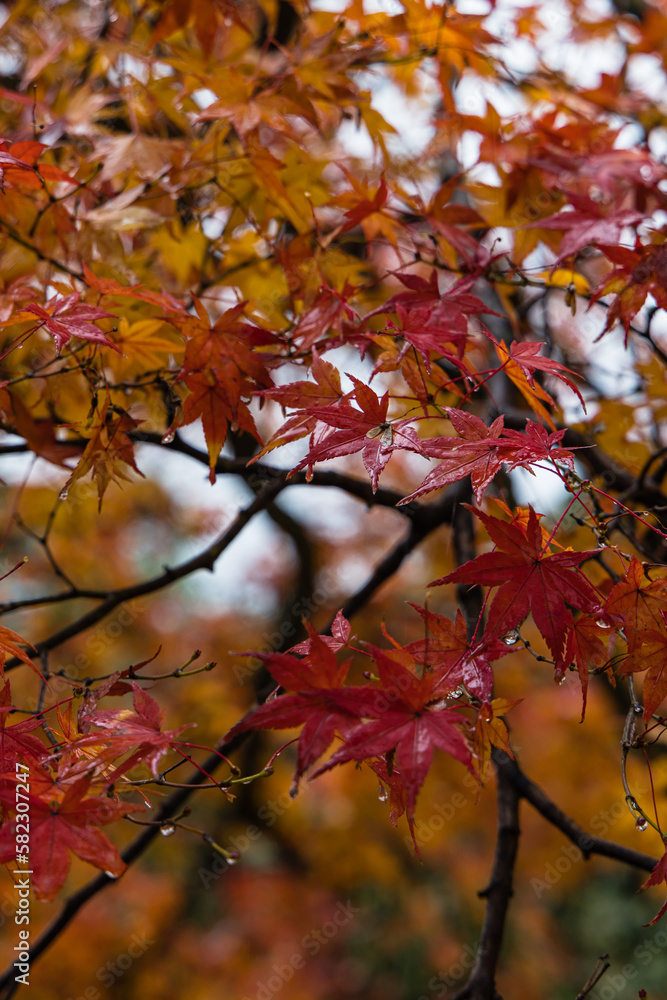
column 205, row 560
column 481, row 984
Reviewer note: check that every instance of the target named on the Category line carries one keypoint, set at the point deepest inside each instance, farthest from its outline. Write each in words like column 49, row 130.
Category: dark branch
column 481, row 985
column 205, row 560
column 586, row 842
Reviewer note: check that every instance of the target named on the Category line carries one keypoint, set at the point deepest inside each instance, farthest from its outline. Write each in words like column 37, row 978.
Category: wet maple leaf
column 430, row 331
column 527, row 356
column 65, row 316
column 310, row 683
column 343, row 430
column 406, row 714
column 587, row 645
column 650, row 655
column 139, row 731
column 324, row 390
column 456, row 659
column 529, row 579
column 491, row 731
column 61, row 823
column 480, row 452
column 341, row 636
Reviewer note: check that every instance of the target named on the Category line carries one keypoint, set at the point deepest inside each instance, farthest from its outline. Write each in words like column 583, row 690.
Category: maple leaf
column 325, row 390
column 638, row 604
column 491, row 731
column 407, row 714
column 341, row 636
column 221, row 369
column 366, row 429
column 61, row 823
column 109, row 286
column 650, row 655
column 658, row 875
column 588, row 222
column 527, row 356
column 310, row 683
column 457, row 660
column 641, row 271
column 66, row 317
column 108, row 449
column 480, row 452
column 587, row 645
column 15, row 742
column 529, row 579
column 522, row 378
column 430, row 330
column 329, row 312
column 9, row 644
column 139, row 730
column 40, row 434
column 9, row 164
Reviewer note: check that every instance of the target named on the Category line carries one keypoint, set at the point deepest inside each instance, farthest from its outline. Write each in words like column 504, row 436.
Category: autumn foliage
column 392, row 278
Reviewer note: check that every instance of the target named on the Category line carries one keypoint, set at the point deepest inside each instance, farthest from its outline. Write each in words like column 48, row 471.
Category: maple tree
column 227, row 256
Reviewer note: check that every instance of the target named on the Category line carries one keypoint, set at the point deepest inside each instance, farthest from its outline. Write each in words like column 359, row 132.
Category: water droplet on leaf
column 168, row 830
column 111, row 875
column 382, row 793
column 641, row 824
column 511, row 638
column 63, row 494
column 638, row 710
column 168, row 437
column 601, row 623
column 560, row 680
column 231, row 859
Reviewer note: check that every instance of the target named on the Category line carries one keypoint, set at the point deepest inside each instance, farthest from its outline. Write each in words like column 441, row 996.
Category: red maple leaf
column 587, row 645
column 366, row 429
column 341, row 636
column 527, row 356
column 448, row 650
column 15, row 742
column 406, row 714
column 66, row 317
column 481, row 450
column 8, row 644
column 329, row 312
column 431, row 329
column 529, row 579
column 658, row 875
column 588, row 222
column 310, row 683
column 60, row 823
column 139, row 731
column 640, row 272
